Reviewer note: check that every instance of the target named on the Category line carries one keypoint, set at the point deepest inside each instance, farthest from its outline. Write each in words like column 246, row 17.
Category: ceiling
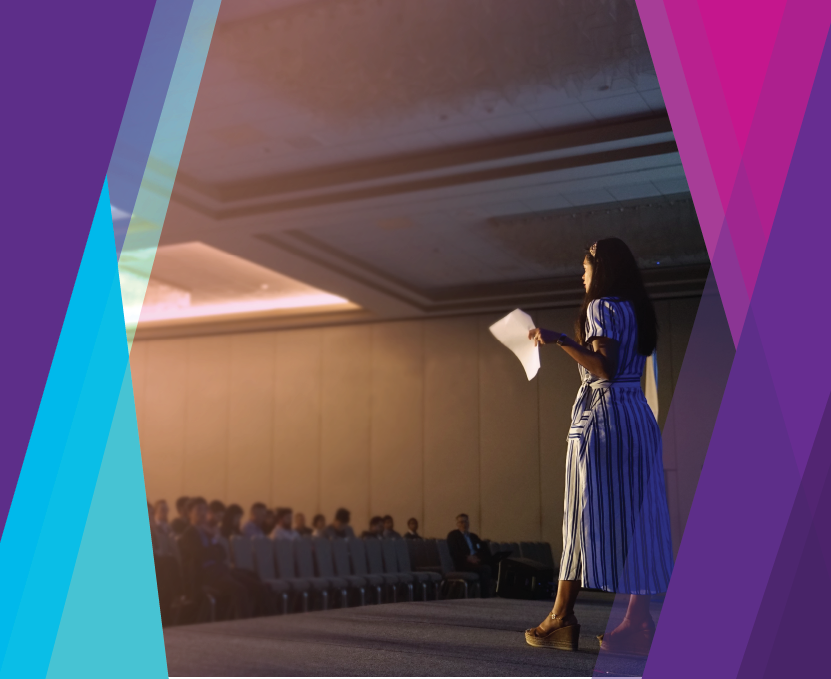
column 421, row 157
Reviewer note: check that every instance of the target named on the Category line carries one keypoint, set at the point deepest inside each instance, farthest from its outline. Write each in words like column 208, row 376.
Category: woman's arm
column 601, row 362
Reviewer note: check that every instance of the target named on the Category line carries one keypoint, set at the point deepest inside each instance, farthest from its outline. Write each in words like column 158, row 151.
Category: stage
column 457, row 637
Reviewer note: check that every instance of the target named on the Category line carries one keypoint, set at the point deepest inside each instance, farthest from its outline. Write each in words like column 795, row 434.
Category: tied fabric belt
column 615, row 384
column 582, row 413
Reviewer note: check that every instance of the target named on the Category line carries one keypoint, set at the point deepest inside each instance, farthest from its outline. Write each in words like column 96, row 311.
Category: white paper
column 512, row 331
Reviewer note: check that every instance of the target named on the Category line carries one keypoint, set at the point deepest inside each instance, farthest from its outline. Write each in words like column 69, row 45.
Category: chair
column 304, row 560
column 390, row 555
column 547, row 556
column 531, row 550
column 340, row 557
column 242, row 554
column 323, row 560
column 375, row 565
column 421, row 577
column 284, row 559
column 451, row 576
column 514, row 547
column 263, row 549
column 357, row 554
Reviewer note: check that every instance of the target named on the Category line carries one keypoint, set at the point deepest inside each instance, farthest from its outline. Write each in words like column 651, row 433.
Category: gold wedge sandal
column 562, row 638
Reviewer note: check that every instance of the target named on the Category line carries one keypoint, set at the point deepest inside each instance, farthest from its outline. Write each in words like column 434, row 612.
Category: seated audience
column 412, row 530
column 254, row 526
column 160, row 517
column 231, row 521
column 470, row 553
column 376, row 528
column 300, row 525
column 216, row 513
column 284, row 531
column 319, row 526
column 389, row 528
column 203, row 562
column 340, row 527
column 168, row 575
column 179, row 524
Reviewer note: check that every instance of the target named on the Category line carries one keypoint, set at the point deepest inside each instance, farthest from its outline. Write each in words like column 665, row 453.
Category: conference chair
column 304, row 560
column 548, row 556
column 514, row 547
column 531, row 550
column 340, row 559
column 242, row 554
column 357, row 556
column 423, row 578
column 452, row 577
column 284, row 560
column 325, row 568
column 263, row 549
column 375, row 564
column 390, row 555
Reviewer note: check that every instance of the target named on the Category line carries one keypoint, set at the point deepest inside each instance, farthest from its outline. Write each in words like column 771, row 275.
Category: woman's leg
column 563, row 611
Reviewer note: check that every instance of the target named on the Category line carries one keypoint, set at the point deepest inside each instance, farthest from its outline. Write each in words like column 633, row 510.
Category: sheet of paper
column 512, row 331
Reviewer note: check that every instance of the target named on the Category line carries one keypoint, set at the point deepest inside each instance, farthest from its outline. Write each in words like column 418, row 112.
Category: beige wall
column 417, row 418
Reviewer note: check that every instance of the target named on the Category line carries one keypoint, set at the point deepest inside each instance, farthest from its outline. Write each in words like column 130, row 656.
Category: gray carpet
column 473, row 637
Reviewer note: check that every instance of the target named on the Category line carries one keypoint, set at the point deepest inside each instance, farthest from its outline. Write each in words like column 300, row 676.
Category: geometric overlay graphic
column 748, row 92
column 151, row 196
column 79, row 595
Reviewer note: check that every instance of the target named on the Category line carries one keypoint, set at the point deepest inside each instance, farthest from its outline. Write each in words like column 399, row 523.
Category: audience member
column 283, row 530
column 412, row 532
column 216, row 513
column 469, row 553
column 269, row 521
column 203, row 562
column 376, row 528
column 160, row 517
column 231, row 521
column 389, row 528
column 254, row 526
column 179, row 524
column 340, row 527
column 319, row 526
column 300, row 525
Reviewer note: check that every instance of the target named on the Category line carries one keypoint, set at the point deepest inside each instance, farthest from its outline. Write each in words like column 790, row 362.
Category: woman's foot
column 553, row 622
column 629, row 637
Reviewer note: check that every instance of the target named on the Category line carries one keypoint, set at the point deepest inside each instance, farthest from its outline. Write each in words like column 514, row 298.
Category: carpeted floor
column 459, row 637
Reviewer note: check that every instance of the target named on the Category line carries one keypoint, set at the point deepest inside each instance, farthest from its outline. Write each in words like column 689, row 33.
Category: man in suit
column 470, row 553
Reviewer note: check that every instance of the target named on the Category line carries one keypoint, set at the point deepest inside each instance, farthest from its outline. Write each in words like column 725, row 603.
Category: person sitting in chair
column 470, row 553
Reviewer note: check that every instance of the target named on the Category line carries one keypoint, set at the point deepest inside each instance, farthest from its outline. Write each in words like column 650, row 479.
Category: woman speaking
column 616, row 534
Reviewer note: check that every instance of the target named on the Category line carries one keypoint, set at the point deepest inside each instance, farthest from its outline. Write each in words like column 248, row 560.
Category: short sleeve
column 603, row 319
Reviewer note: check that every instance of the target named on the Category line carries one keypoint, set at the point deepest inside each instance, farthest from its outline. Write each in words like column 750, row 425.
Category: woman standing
column 616, row 534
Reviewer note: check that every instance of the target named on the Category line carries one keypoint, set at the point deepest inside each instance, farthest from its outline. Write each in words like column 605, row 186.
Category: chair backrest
column 417, row 552
column 430, row 552
column 303, row 557
column 529, row 550
column 284, row 557
column 547, row 556
column 241, row 552
column 263, row 548
column 340, row 554
column 390, row 555
column 445, row 560
column 494, row 547
column 374, row 560
column 323, row 557
column 514, row 547
column 357, row 551
column 222, row 540
column 402, row 553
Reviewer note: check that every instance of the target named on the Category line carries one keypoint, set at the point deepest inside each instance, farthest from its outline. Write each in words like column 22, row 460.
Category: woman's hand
column 543, row 336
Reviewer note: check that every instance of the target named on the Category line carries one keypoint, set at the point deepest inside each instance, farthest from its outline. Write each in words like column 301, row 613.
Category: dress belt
column 616, row 384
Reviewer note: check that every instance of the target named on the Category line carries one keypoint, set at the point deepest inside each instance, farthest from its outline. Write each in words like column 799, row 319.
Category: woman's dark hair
column 318, row 517
column 615, row 273
column 232, row 515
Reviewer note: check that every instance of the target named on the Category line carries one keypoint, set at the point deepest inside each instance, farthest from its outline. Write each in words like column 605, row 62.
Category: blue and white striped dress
column 616, row 532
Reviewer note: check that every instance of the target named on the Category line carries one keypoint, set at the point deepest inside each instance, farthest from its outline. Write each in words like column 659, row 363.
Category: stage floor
column 457, row 637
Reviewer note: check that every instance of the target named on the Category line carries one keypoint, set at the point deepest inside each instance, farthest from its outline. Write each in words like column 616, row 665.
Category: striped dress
column 616, row 534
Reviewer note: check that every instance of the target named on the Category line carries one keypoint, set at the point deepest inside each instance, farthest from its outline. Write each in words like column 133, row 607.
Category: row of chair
column 536, row 551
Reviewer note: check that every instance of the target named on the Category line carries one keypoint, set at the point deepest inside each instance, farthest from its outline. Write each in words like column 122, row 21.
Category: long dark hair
column 229, row 521
column 615, row 273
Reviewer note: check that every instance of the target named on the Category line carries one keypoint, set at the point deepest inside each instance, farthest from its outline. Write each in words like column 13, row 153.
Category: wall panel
column 346, row 404
column 397, row 421
column 295, row 456
column 251, row 409
column 451, row 424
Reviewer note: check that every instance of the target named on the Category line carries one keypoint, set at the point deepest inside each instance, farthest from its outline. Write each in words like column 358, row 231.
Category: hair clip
column 593, row 249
